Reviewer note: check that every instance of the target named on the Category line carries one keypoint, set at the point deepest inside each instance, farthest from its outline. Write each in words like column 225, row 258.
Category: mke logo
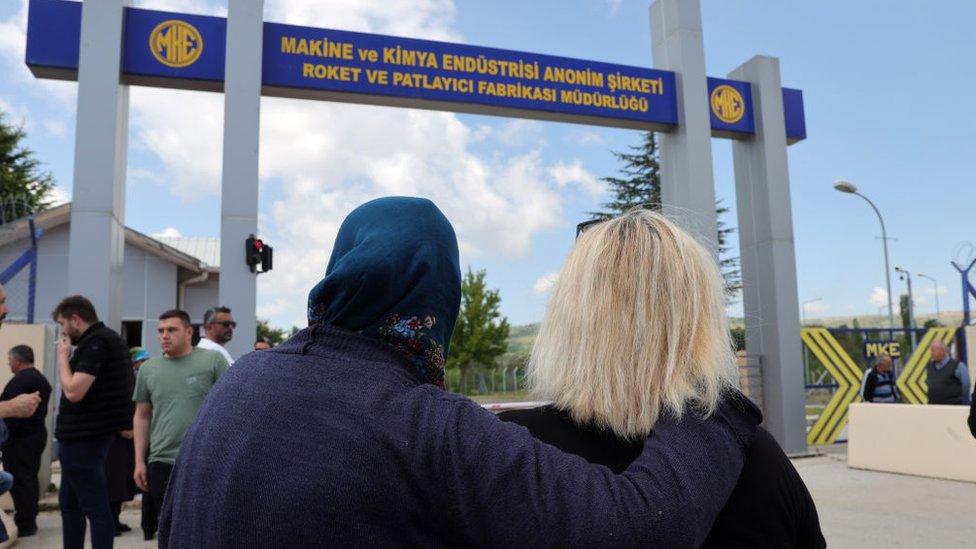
column 175, row 43
column 727, row 104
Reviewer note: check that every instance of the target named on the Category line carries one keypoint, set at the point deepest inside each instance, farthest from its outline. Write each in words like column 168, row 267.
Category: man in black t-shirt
column 28, row 438
column 97, row 384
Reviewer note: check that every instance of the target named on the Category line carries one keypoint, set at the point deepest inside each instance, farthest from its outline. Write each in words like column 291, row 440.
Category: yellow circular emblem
column 175, row 43
column 727, row 104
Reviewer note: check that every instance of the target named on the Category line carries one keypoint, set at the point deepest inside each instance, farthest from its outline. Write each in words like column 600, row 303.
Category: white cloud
column 879, row 299
column 55, row 128
column 816, row 307
column 589, row 137
column 59, row 196
column 614, row 5
column 324, row 159
column 520, row 133
column 168, row 232
column 942, row 290
column 565, row 174
column 545, row 284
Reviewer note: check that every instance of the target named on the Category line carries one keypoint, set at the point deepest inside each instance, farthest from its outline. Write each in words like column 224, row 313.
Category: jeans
column 84, row 493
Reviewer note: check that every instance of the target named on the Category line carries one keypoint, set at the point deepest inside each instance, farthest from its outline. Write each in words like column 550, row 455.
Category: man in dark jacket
column 97, row 383
column 28, row 438
column 879, row 383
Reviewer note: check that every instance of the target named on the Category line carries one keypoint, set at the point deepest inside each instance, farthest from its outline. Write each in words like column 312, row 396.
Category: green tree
column 480, row 334
column 274, row 336
column 639, row 186
column 24, row 187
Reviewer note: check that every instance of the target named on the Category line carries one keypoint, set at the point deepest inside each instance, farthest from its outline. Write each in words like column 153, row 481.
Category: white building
column 158, row 274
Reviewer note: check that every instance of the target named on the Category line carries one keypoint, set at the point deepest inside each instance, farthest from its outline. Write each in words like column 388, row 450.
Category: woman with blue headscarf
column 344, row 436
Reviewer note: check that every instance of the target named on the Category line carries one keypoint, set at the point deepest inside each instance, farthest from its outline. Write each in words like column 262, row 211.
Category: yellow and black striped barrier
column 845, row 372
column 911, row 381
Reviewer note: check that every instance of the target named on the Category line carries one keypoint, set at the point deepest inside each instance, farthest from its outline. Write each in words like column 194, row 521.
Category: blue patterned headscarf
column 394, row 275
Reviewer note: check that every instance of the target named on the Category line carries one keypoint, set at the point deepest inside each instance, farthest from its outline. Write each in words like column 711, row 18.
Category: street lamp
column 911, row 301
column 803, row 309
column 849, row 188
column 935, row 283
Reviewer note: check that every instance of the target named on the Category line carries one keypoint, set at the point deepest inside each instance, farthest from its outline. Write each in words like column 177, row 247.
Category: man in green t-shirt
column 169, row 392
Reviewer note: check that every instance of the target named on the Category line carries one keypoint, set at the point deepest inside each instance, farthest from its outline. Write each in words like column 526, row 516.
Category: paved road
column 866, row 509
column 49, row 533
column 861, row 509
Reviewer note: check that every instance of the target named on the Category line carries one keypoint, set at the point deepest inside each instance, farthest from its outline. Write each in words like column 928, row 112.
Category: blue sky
column 886, row 90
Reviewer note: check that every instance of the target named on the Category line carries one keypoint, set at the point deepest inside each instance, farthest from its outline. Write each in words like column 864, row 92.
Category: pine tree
column 639, row 186
column 24, row 188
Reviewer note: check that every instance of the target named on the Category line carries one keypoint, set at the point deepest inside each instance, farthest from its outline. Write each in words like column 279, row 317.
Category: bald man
column 948, row 379
column 879, row 384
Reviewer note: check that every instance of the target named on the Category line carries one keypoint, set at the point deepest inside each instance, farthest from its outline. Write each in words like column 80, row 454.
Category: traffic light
column 256, row 252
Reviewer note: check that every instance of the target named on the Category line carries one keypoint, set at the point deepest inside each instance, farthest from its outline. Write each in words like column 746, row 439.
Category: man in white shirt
column 218, row 325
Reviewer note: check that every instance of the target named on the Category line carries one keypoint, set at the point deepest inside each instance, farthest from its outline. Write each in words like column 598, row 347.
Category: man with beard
column 218, row 324
column 96, row 383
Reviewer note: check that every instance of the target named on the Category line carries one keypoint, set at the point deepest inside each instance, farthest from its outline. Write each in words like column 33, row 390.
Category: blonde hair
column 635, row 327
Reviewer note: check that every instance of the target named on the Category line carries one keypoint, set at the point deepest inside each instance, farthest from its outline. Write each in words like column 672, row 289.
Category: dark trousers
column 22, row 459
column 150, row 515
column 84, row 493
column 159, row 473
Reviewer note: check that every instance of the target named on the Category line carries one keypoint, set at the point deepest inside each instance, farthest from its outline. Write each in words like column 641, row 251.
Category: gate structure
column 107, row 46
column 846, row 365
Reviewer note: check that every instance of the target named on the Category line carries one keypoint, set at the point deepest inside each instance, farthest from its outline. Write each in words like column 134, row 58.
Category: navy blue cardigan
column 331, row 440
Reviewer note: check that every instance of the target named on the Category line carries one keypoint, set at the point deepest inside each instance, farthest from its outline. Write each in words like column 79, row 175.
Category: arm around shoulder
column 506, row 488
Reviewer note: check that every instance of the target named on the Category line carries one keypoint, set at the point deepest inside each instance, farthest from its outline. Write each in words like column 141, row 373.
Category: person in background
column 119, row 467
column 879, row 382
column 149, row 511
column 27, row 439
column 387, row 457
column 139, row 357
column 218, row 325
column 948, row 379
column 169, row 392
column 636, row 330
column 262, row 344
column 96, row 385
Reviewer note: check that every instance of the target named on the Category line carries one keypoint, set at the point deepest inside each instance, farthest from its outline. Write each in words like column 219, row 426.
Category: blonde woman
column 635, row 331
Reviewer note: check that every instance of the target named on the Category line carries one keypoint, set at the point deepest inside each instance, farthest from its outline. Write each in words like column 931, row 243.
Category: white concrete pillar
column 97, row 236
column 239, row 184
column 772, row 317
column 687, row 185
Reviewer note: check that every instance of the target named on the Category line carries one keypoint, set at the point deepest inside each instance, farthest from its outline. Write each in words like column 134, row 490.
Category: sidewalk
column 858, row 509
column 49, row 533
column 866, row 509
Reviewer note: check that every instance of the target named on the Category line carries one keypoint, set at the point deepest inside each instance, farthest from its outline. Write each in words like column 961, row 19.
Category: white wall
column 149, row 284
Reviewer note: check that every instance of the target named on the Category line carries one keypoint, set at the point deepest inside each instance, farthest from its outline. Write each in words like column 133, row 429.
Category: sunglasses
column 582, row 227
column 227, row 323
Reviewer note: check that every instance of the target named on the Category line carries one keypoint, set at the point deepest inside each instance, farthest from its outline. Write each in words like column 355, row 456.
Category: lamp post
column 803, row 309
column 911, row 302
column 849, row 188
column 935, row 290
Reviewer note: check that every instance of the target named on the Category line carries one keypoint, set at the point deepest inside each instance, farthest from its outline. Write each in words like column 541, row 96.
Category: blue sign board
column 188, row 51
